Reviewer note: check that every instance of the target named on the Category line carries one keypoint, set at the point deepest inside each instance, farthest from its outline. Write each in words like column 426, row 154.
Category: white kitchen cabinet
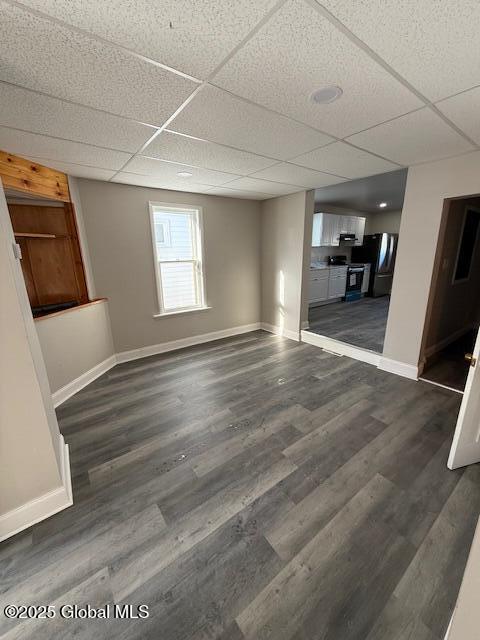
column 366, row 279
column 327, row 228
column 337, row 282
column 319, row 285
column 317, row 229
column 359, row 230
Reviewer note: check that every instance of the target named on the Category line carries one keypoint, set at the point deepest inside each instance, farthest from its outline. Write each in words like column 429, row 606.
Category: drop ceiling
column 136, row 91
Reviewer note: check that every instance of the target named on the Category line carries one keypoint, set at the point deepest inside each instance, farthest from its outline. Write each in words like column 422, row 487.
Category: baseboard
column 400, row 368
column 341, row 348
column 42, row 507
column 155, row 349
column 279, row 331
column 73, row 387
column 439, row 346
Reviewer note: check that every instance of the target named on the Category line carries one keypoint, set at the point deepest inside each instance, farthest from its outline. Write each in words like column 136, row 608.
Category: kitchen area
column 352, row 264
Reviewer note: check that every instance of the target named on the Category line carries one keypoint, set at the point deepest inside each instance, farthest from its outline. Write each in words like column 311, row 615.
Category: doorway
column 354, row 244
column 454, row 310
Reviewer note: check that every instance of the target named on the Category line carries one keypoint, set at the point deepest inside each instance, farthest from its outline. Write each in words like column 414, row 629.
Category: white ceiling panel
column 188, row 35
column 23, row 109
column 299, row 51
column 159, row 183
column 237, row 193
column 292, row 174
column 170, row 171
column 344, row 160
column 432, row 43
column 77, row 170
column 464, row 109
column 201, row 153
column 34, row 145
column 41, row 55
column 417, row 137
column 221, row 117
column 263, row 186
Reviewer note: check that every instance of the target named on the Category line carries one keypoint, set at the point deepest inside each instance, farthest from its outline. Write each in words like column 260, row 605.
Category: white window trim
column 475, row 248
column 200, row 280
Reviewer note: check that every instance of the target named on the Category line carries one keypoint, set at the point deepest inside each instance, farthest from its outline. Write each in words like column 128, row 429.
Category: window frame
column 198, row 262
column 475, row 246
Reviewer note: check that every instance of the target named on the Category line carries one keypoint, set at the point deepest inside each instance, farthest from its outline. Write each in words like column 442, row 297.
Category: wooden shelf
column 19, row 234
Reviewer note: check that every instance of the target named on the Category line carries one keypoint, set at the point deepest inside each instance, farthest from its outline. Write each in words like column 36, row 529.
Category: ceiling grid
column 224, row 93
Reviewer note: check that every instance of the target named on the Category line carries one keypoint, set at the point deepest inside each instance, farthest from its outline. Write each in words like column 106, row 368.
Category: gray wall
column 84, row 334
column 427, row 187
column 117, row 226
column 388, row 222
column 285, row 233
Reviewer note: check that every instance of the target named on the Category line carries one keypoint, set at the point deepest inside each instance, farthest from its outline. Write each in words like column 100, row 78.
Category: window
column 467, row 245
column 177, row 249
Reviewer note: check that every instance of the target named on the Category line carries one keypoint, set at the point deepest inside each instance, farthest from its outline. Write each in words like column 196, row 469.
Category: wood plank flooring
column 361, row 323
column 449, row 367
column 252, row 488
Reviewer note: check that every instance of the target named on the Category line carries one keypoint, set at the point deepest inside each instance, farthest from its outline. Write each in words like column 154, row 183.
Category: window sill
column 178, row 313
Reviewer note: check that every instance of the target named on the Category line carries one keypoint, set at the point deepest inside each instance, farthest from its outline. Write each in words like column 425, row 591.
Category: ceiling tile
column 34, row 145
column 293, row 174
column 38, row 54
column 463, row 110
column 191, row 36
column 434, row 45
column 344, row 160
column 299, row 51
column 201, row 153
column 23, row 109
column 170, row 171
column 159, row 183
column 221, row 117
column 237, row 193
column 417, row 137
column 263, row 186
column 77, row 170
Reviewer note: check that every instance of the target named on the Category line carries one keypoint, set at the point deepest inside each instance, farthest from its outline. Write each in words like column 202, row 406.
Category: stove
column 355, row 273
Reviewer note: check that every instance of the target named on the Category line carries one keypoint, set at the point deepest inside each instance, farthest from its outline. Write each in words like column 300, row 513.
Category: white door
column 466, row 440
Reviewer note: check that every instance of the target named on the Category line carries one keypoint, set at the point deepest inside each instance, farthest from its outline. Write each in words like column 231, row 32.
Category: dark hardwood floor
column 253, row 488
column 361, row 323
column 449, row 367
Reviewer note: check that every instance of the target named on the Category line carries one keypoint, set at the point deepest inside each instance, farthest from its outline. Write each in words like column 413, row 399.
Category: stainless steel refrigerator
column 379, row 250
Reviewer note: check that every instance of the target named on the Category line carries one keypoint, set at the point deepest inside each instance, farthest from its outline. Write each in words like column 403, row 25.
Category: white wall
column 82, row 236
column 286, row 237
column 117, row 224
column 427, row 187
column 74, row 342
column 32, row 476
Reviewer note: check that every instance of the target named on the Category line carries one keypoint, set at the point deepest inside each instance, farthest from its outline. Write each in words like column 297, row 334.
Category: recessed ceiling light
column 325, row 95
column 184, row 174
column 382, row 205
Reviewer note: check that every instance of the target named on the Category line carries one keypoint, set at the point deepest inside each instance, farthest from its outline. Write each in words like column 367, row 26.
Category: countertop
column 318, row 266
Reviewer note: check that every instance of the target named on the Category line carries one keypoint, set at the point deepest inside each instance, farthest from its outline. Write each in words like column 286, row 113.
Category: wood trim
column 63, row 311
column 19, row 234
column 31, row 177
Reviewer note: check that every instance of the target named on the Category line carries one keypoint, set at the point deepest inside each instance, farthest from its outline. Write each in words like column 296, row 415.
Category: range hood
column 347, row 237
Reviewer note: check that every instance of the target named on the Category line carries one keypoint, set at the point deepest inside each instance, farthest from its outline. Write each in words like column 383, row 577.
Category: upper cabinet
column 327, row 228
